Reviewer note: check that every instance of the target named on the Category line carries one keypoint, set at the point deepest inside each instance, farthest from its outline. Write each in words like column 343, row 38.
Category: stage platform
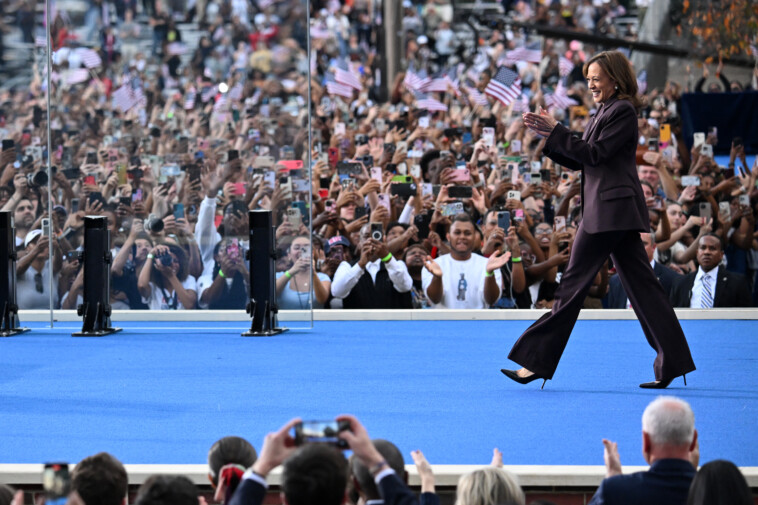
column 161, row 392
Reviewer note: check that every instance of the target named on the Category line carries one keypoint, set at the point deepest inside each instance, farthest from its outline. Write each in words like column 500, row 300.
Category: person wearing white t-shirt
column 463, row 279
column 164, row 282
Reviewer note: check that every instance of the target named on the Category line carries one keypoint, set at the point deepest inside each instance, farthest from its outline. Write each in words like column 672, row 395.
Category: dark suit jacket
column 732, row 290
column 612, row 198
column 667, row 482
column 617, row 298
column 395, row 492
column 249, row 492
column 392, row 489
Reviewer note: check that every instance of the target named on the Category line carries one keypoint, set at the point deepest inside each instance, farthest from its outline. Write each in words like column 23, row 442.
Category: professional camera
column 153, row 224
column 37, row 179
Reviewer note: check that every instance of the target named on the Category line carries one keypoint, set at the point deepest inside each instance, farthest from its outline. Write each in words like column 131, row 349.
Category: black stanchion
column 262, row 256
column 10, row 323
column 96, row 258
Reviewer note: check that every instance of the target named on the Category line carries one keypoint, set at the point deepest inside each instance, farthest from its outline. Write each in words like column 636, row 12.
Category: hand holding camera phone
column 56, row 481
column 321, row 432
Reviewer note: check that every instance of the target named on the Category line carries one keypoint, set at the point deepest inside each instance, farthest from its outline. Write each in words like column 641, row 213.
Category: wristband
column 516, row 260
column 489, row 274
column 387, row 258
column 378, row 467
column 150, row 256
column 221, row 274
column 287, row 274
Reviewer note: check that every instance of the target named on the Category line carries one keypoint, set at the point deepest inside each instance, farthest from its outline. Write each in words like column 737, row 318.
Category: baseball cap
column 336, row 240
column 31, row 236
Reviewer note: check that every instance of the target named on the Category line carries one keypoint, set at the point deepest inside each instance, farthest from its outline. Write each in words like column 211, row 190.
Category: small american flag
column 189, row 98
column 476, row 97
column 40, row 41
column 426, row 102
column 564, row 66
column 531, row 53
column 335, row 88
column 642, row 82
column 438, row 85
column 505, row 85
column 90, row 58
column 176, row 49
column 453, row 83
column 559, row 99
column 344, row 76
column 414, row 81
column 126, row 97
column 207, row 93
column 235, row 94
column 521, row 105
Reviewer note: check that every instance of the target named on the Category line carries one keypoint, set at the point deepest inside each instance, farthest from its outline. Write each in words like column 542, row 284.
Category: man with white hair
column 669, row 445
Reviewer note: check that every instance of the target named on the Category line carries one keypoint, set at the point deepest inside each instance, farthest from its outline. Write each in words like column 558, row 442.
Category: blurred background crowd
column 174, row 118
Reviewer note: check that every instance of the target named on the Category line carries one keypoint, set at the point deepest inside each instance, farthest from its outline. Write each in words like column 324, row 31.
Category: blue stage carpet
column 164, row 392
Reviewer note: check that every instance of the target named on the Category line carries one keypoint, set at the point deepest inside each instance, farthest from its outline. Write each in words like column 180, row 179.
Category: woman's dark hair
column 620, row 70
column 6, row 494
column 230, row 450
column 719, row 482
column 181, row 274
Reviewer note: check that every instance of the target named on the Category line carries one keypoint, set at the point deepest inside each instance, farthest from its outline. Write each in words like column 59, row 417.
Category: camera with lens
column 37, row 179
column 165, row 259
column 153, row 224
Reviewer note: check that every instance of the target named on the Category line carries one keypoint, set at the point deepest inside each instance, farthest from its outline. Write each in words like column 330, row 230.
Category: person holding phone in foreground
column 614, row 213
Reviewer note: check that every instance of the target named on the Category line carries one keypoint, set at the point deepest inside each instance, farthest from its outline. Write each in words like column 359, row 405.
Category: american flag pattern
column 522, row 104
column 504, row 86
column 127, row 97
column 343, row 75
column 531, row 53
column 190, row 98
column 335, row 88
column 476, row 97
column 235, row 94
column 426, row 102
column 207, row 93
column 564, row 66
column 90, row 58
column 414, row 81
column 559, row 99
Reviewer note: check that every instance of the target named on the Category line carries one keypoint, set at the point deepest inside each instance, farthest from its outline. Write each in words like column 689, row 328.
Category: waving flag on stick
column 426, row 102
column 415, row 82
column 343, row 75
column 505, row 85
column 335, row 88
column 560, row 98
column 564, row 66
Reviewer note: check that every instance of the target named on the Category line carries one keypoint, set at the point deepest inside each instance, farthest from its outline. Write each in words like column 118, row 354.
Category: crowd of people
column 314, row 470
column 438, row 192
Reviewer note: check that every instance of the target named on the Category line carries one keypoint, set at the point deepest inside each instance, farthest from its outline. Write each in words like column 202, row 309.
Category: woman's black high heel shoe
column 514, row 376
column 661, row 384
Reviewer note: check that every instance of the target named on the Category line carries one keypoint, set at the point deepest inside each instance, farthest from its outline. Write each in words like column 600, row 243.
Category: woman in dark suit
column 614, row 214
